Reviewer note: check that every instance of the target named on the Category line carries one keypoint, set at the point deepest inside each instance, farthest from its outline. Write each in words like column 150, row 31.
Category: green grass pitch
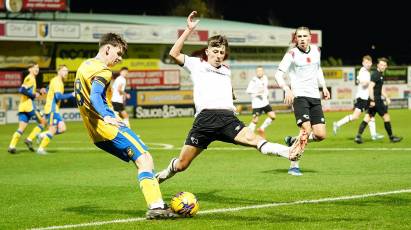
column 78, row 184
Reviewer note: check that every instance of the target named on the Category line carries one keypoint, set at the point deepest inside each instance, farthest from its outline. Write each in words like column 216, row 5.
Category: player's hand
column 37, row 95
column 326, row 93
column 111, row 120
column 191, row 24
column 289, row 97
column 372, row 104
column 127, row 96
column 43, row 91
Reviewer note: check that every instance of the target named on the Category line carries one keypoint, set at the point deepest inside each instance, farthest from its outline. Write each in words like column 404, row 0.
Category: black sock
column 387, row 126
column 363, row 125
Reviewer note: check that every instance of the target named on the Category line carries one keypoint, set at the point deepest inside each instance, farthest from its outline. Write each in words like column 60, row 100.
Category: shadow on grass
column 98, row 211
column 274, row 217
column 213, row 197
column 385, row 201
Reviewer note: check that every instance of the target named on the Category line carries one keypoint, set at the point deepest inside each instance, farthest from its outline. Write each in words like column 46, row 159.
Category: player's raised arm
column 175, row 51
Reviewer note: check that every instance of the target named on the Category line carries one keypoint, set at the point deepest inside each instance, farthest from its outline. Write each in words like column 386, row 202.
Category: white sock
column 373, row 129
column 294, row 164
column 251, row 126
column 266, row 147
column 159, row 204
column 266, row 123
column 344, row 120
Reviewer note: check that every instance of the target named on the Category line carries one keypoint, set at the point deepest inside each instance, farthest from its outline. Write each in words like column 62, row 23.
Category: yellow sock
column 34, row 133
column 151, row 190
column 15, row 139
column 45, row 141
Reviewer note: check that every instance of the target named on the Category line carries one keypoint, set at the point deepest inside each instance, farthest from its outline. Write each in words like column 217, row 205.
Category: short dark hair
column 31, row 64
column 61, row 67
column 124, row 68
column 384, row 59
column 217, row 41
column 114, row 40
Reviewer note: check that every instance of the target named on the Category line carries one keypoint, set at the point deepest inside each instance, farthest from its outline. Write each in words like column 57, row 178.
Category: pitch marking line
column 222, row 210
column 171, row 147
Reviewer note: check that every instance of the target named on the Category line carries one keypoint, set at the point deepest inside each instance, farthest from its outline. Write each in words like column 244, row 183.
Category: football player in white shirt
column 258, row 90
column 303, row 66
column 361, row 102
column 119, row 96
column 215, row 111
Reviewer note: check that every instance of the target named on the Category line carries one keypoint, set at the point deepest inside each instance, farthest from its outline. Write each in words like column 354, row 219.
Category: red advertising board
column 45, row 5
column 196, row 35
column 10, row 79
column 154, row 79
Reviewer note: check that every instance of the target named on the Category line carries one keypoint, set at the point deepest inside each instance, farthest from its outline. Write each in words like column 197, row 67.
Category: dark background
column 350, row 29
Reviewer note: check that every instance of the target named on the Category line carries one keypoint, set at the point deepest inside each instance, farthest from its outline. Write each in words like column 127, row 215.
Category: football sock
column 42, row 134
column 151, row 190
column 362, row 127
column 344, row 120
column 45, row 141
column 266, row 123
column 34, row 132
column 251, row 126
column 371, row 125
column 294, row 164
column 387, row 126
column 15, row 139
column 266, row 147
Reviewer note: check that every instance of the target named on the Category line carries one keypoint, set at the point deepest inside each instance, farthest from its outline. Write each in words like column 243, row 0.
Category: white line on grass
column 322, row 200
column 68, row 149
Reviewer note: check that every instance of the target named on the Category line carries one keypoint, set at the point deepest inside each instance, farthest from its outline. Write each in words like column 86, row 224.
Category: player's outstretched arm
column 175, row 51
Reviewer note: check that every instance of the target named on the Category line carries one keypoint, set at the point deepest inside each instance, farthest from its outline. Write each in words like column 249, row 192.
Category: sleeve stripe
column 101, row 79
column 99, row 82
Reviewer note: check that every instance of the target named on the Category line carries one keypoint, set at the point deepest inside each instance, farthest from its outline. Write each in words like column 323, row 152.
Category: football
column 185, row 204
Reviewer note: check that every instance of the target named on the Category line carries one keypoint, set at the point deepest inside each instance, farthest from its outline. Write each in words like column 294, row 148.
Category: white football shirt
column 117, row 97
column 304, row 70
column 258, row 89
column 212, row 87
column 362, row 89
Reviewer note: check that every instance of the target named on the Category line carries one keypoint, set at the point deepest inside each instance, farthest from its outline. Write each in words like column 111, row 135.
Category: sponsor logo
column 306, row 116
column 71, row 116
column 164, row 112
column 43, row 29
column 194, row 140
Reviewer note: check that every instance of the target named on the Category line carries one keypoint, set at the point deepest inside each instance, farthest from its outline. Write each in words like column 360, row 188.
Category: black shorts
column 308, row 109
column 379, row 108
column 361, row 104
column 212, row 125
column 118, row 107
column 259, row 111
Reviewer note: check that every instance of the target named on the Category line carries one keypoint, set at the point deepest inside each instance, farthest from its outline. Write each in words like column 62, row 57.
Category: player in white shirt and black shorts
column 119, row 96
column 215, row 111
column 362, row 100
column 302, row 63
column 379, row 102
column 258, row 90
